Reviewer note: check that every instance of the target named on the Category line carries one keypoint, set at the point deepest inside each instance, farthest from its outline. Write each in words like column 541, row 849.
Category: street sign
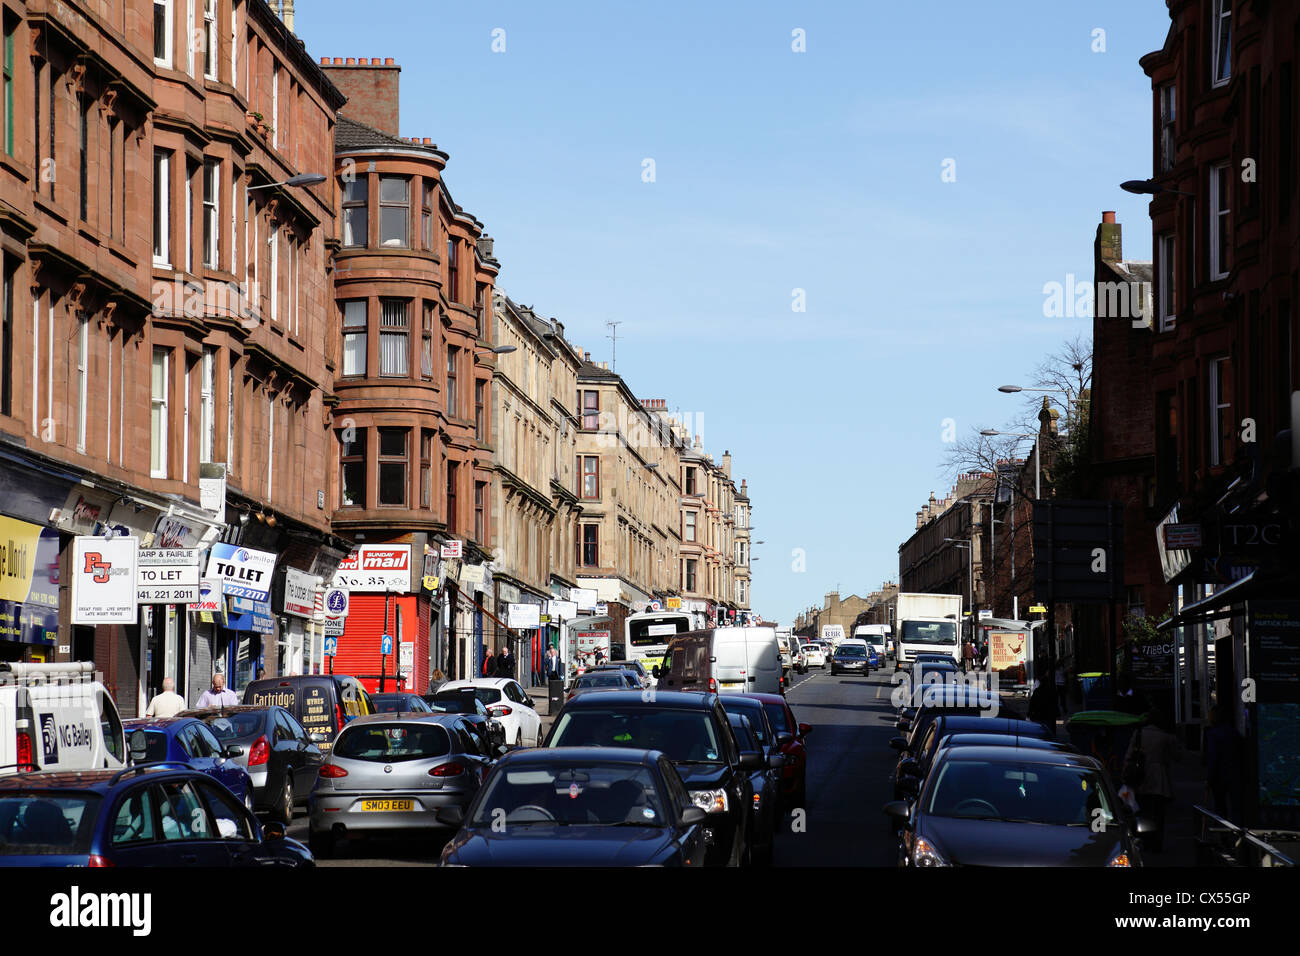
column 985, row 614
column 334, row 626
column 103, row 579
column 336, row 602
column 331, row 646
column 451, row 549
column 430, row 582
column 386, row 644
column 1180, row 537
column 1038, row 609
column 655, row 606
column 406, row 655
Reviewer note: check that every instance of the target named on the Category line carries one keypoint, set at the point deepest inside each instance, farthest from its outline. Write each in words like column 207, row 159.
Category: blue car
column 873, row 658
column 158, row 814
column 188, row 740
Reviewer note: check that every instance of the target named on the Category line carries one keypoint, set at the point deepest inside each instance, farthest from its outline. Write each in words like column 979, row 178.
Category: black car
column 579, row 806
column 851, row 659
column 400, row 704
column 466, row 702
column 279, row 756
column 914, row 764
column 1016, row 806
column 156, row 814
column 693, row 731
column 764, row 782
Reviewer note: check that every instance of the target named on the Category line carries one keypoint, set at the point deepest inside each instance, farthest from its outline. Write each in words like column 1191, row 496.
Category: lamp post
column 302, row 179
column 968, row 545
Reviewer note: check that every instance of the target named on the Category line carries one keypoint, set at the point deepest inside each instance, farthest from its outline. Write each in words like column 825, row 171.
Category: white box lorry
column 927, row 624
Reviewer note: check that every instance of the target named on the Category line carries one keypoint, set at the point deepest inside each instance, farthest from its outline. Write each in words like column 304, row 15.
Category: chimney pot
column 351, row 61
column 364, row 61
column 388, row 61
column 338, row 61
column 1108, row 216
column 324, row 61
column 428, row 141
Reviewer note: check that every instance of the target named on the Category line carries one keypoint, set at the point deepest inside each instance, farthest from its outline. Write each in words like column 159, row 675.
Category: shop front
column 29, row 591
column 239, row 579
column 383, row 600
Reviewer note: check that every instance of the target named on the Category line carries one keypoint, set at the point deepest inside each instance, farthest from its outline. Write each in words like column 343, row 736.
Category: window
column 230, row 414
column 83, row 376
column 162, row 32
column 451, row 496
column 590, row 555
column 688, row 519
column 1167, row 301
column 1219, row 227
column 1220, row 411
column 7, row 334
column 208, row 404
column 453, row 358
column 589, row 402
column 1221, row 26
column 134, row 823
column 211, row 212
column 394, row 347
column 426, row 469
column 7, row 82
column 480, row 308
column 182, row 815
column 590, row 476
column 354, row 337
column 352, row 467
column 210, row 39
column 480, row 422
column 275, row 105
column 191, row 170
column 115, row 179
column 356, row 221
column 274, row 269
column 394, row 210
column 453, row 271
column 426, row 217
column 83, row 142
column 688, row 584
column 161, row 208
column 690, row 481
column 1167, row 116
column 426, row 342
column 480, row 528
column 392, row 466
column 158, row 422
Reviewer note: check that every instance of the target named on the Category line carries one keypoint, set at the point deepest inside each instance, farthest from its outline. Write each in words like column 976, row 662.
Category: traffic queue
column 696, row 763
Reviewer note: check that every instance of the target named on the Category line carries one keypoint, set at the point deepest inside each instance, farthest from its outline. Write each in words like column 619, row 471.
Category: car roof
column 563, row 755
column 200, row 713
column 156, row 723
column 976, row 739
column 99, row 781
column 1058, row 758
column 398, row 717
column 765, row 698
column 958, row 723
column 679, row 699
column 467, row 682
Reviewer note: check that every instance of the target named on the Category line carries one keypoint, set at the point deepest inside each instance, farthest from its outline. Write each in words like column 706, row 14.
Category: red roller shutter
column 359, row 646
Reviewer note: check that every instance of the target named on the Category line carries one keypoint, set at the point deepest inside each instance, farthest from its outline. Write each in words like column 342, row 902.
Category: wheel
column 283, row 809
column 321, row 844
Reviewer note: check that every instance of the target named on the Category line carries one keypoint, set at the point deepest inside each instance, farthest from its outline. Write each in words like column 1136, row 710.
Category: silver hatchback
column 393, row 772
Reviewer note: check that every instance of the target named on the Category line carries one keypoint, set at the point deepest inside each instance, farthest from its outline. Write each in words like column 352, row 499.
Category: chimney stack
column 371, row 86
column 1110, row 247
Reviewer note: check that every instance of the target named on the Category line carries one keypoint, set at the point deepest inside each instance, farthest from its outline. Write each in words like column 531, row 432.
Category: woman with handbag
column 1147, row 770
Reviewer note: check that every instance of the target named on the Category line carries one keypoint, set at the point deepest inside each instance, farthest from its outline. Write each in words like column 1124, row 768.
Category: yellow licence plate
column 732, row 684
column 386, row 806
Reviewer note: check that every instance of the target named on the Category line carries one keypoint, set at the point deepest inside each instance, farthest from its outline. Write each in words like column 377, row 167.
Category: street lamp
column 302, row 179
column 1149, row 187
column 968, row 545
column 502, row 349
column 1037, row 472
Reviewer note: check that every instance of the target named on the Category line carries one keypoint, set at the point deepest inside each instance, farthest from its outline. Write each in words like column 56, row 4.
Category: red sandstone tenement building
column 413, row 281
column 165, row 304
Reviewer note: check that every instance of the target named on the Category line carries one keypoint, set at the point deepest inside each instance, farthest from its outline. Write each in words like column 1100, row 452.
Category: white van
column 57, row 717
column 724, row 660
column 876, row 636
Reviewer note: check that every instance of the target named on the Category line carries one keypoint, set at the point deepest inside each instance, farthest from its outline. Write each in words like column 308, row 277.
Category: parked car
column 278, row 754
column 188, row 741
column 794, row 788
column 692, row 730
column 57, row 717
column 765, row 812
column 578, row 806
column 508, row 703
column 603, row 680
column 400, row 704
column 389, row 773
column 913, row 765
column 1016, row 806
column 636, row 667
column 322, row 703
column 151, row 815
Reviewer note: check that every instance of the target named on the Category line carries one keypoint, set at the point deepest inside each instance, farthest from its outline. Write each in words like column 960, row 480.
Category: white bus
column 646, row 635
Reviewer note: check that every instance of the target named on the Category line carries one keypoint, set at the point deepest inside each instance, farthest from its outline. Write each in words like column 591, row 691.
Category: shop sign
column 242, row 571
column 376, row 568
column 104, row 580
column 523, row 616
column 299, row 593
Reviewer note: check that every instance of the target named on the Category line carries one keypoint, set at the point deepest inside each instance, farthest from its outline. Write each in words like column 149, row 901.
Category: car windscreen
column 614, row 679
column 751, row 709
column 46, row 823
column 231, row 727
column 1020, row 792
column 396, row 704
column 451, row 703
column 851, row 650
column 584, row 794
column 391, row 743
column 684, row 736
column 929, row 632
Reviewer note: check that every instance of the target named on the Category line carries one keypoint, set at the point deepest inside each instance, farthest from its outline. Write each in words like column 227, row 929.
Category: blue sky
column 776, row 171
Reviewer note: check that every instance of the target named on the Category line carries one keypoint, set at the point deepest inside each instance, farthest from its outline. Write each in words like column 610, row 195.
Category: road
column 849, row 765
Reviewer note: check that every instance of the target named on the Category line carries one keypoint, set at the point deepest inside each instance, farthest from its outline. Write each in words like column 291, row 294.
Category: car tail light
column 260, row 753
column 500, row 710
column 25, row 750
column 713, row 686
column 338, row 713
column 332, row 770
column 96, row 860
column 447, row 770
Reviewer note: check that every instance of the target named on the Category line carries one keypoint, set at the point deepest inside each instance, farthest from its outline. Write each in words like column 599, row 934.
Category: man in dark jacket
column 505, row 663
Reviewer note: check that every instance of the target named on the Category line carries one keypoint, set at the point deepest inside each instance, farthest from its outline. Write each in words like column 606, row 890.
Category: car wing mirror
column 693, row 815
column 751, row 760
column 272, row 831
column 805, row 728
column 783, row 740
column 233, row 751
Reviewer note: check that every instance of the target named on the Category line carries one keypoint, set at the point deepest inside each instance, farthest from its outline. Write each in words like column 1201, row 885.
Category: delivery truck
column 926, row 624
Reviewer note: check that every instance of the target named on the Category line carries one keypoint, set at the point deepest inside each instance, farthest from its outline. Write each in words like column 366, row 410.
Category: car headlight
column 710, row 801
column 924, row 854
column 1120, row 859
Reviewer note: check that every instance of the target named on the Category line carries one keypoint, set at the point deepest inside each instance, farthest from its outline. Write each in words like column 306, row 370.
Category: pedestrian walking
column 554, row 667
column 1148, row 770
column 489, row 664
column 218, row 695
column 967, row 656
column 506, row 663
column 168, row 703
column 1225, row 759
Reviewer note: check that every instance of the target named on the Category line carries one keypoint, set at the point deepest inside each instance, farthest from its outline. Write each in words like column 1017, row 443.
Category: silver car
column 393, row 772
